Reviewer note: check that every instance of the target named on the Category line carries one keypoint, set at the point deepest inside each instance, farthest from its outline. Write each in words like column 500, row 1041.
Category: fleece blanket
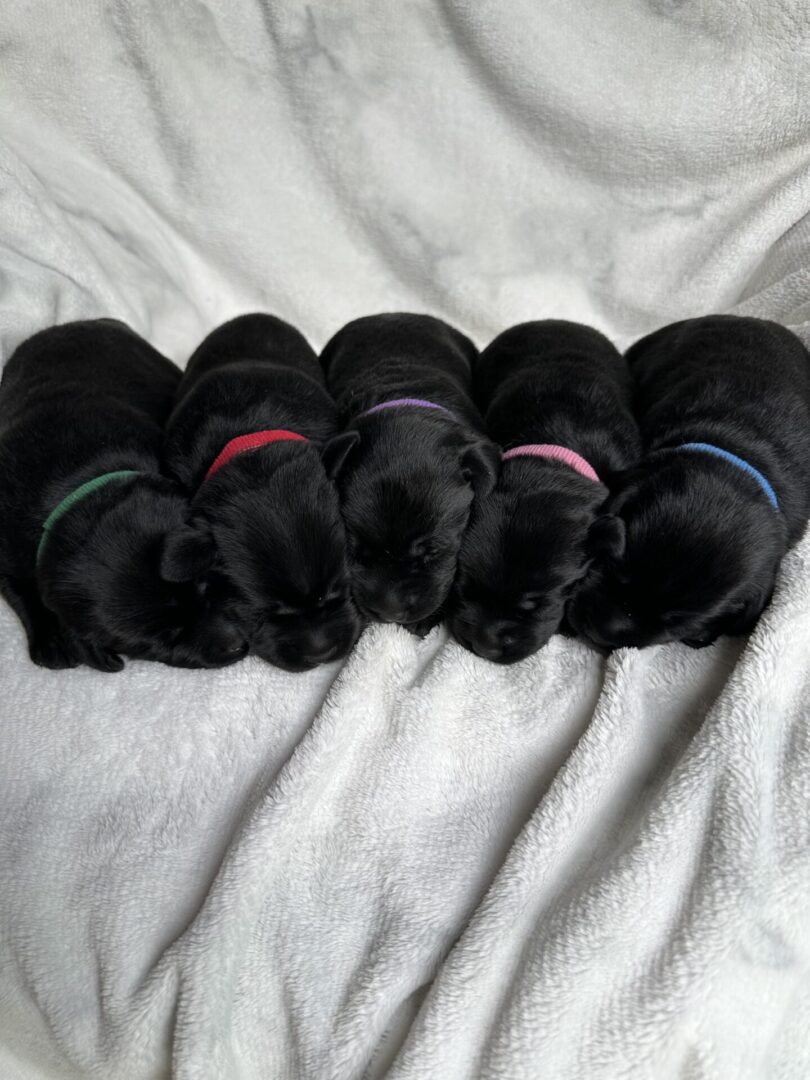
column 419, row 865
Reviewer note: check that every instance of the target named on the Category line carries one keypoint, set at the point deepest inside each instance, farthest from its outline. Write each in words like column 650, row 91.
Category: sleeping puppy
column 265, row 530
column 722, row 492
column 556, row 396
column 409, row 462
column 84, row 511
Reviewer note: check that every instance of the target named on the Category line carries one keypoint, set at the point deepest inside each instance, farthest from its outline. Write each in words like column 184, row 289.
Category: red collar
column 253, row 441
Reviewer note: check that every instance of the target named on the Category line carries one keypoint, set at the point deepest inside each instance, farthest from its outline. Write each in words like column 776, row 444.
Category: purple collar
column 418, row 402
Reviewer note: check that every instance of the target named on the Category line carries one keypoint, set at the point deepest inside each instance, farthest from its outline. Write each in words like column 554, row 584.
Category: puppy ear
column 188, row 553
column 607, row 538
column 481, row 465
column 336, row 451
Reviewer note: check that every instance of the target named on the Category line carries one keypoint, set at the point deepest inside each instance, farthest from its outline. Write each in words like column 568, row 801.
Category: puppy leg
column 96, row 657
column 50, row 645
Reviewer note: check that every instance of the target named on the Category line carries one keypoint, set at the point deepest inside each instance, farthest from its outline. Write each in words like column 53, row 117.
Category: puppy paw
column 100, row 659
column 51, row 649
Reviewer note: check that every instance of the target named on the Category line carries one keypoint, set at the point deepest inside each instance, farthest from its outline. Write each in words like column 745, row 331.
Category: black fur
column 703, row 544
column 265, row 529
column 77, row 401
column 530, row 540
column 406, row 475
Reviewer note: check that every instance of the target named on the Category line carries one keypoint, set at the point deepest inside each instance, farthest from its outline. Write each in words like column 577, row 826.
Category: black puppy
column 556, row 396
column 265, row 531
column 83, row 509
column 411, row 458
column 723, row 491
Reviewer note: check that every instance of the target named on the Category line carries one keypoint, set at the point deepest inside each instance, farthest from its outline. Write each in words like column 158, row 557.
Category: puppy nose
column 324, row 657
column 393, row 608
column 486, row 652
column 231, row 645
column 320, row 650
column 491, row 642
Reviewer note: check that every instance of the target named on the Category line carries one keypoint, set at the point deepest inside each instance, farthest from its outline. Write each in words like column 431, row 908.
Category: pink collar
column 242, row 443
column 555, row 453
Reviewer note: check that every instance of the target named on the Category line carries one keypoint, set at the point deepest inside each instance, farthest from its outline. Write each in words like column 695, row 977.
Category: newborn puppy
column 411, row 457
column 83, row 509
column 556, row 396
column 723, row 491
column 265, row 531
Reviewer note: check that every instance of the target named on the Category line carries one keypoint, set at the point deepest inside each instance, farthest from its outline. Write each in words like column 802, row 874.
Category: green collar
column 76, row 496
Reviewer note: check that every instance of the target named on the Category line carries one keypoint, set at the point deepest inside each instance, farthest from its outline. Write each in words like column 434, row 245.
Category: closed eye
column 333, row 598
column 528, row 604
column 279, row 611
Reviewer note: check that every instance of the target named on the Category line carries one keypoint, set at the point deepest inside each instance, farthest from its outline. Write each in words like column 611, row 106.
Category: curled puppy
column 83, row 509
column 556, row 396
column 722, row 492
column 410, row 459
column 265, row 530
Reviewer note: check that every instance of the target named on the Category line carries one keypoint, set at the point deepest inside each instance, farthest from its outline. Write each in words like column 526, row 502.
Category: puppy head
column 407, row 489
column 698, row 559
column 100, row 572
column 522, row 556
column 266, row 535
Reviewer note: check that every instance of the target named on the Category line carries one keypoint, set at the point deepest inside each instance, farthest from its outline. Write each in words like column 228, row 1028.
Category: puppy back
column 397, row 338
column 100, row 365
column 256, row 336
column 525, row 348
column 742, row 384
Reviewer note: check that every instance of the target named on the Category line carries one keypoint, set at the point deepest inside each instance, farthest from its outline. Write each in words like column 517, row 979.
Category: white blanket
column 421, row 866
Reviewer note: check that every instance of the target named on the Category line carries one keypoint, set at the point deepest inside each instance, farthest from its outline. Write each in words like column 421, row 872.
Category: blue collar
column 732, row 459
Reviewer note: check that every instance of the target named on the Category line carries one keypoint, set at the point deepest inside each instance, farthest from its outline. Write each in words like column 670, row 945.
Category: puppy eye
column 333, row 597
column 278, row 611
column 528, row 603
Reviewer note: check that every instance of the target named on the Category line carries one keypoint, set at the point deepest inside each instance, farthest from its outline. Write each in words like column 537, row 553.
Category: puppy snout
column 225, row 646
column 321, row 654
column 603, row 633
column 396, row 607
column 489, row 641
column 323, row 646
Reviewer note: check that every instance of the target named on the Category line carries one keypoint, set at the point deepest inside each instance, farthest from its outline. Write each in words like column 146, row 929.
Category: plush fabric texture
column 420, row 865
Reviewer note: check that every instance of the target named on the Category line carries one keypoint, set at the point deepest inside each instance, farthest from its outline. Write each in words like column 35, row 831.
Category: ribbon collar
column 76, row 496
column 243, row 443
column 554, row 453
column 738, row 462
column 420, row 403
